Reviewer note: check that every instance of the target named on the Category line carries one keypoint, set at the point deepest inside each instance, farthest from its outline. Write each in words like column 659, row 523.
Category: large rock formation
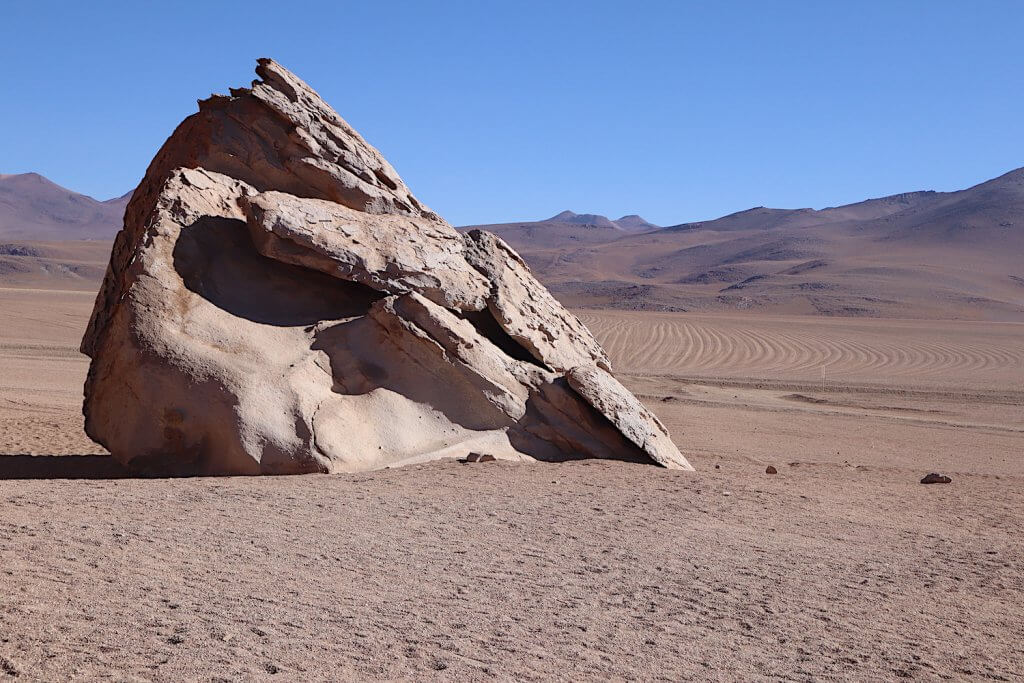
column 279, row 302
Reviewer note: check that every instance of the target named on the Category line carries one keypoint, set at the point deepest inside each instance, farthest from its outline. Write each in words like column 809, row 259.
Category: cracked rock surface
column 279, row 302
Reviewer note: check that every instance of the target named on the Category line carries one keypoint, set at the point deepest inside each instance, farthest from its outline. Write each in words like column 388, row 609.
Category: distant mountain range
column 917, row 254
column 630, row 223
column 34, row 208
column 568, row 229
column 52, row 237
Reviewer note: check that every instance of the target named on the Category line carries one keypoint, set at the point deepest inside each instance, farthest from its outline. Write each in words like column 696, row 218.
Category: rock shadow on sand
column 23, row 466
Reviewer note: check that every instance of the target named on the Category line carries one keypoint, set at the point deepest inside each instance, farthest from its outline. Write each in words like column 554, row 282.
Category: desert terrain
column 673, row 343
column 811, row 364
column 840, row 566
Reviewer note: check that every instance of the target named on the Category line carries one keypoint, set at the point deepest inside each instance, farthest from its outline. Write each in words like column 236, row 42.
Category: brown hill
column 51, row 237
column 635, row 223
column 34, row 208
column 991, row 213
column 567, row 230
column 763, row 218
column 917, row 254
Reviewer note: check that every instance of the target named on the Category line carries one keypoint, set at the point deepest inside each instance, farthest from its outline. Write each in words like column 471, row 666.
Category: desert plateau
column 842, row 565
column 747, row 406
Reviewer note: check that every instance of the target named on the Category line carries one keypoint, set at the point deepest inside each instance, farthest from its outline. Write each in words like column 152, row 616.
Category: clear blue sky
column 516, row 110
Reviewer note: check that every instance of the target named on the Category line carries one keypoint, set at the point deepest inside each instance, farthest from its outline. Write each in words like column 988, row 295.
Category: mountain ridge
column 33, row 207
column 912, row 254
column 628, row 223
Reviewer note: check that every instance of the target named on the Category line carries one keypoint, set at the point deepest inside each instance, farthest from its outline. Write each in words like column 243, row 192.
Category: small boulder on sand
column 771, row 470
column 935, row 478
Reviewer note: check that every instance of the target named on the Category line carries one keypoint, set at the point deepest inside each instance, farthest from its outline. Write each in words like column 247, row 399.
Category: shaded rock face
column 279, row 302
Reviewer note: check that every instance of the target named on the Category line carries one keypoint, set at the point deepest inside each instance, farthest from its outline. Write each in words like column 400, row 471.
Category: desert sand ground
column 840, row 566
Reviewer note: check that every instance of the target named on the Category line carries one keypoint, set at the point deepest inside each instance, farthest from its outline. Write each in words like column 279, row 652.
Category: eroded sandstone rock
column 390, row 253
column 279, row 302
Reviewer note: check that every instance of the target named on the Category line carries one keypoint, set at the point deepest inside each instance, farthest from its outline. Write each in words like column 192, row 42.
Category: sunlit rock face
column 279, row 302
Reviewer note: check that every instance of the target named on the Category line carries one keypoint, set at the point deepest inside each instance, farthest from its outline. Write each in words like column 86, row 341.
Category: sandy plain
column 841, row 566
